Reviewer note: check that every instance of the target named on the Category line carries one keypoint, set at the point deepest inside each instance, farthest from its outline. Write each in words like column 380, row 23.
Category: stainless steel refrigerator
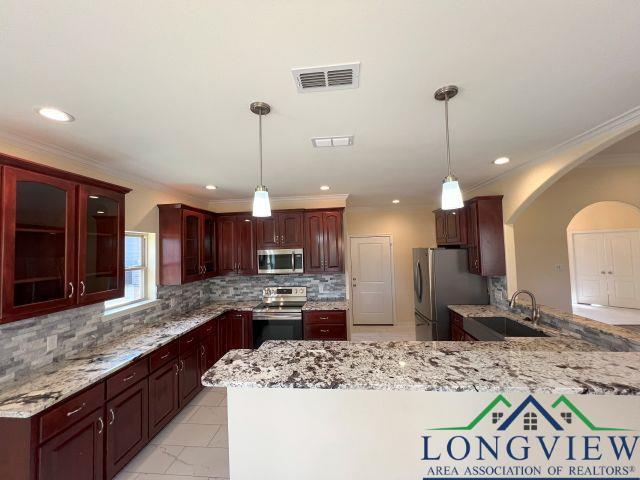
column 441, row 277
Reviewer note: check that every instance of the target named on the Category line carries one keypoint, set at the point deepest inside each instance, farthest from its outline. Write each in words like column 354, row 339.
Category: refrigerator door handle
column 417, row 281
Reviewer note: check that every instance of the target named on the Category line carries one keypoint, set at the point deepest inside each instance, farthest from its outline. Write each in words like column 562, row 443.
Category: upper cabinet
column 485, row 236
column 283, row 229
column 237, row 244
column 451, row 227
column 187, row 244
column 323, row 241
column 62, row 239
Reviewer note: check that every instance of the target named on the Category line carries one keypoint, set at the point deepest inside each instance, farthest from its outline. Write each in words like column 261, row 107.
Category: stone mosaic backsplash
column 498, row 291
column 23, row 344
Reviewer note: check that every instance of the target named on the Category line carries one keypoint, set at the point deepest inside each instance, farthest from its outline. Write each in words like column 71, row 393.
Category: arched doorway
column 603, row 241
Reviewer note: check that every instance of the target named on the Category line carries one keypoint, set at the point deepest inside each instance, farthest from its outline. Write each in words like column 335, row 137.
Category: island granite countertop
column 428, row 366
column 63, row 379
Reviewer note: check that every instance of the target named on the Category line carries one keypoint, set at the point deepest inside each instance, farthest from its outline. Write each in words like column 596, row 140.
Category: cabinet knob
column 72, row 289
column 83, row 288
column 324, row 331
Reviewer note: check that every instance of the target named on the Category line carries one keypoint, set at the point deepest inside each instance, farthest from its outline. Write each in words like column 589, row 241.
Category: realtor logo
column 529, row 413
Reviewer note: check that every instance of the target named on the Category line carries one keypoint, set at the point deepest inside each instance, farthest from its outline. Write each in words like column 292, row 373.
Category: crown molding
column 30, row 144
column 628, row 119
column 293, row 198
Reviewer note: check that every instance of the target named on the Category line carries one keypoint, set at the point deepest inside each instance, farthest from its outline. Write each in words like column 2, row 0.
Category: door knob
column 603, row 272
column 610, row 272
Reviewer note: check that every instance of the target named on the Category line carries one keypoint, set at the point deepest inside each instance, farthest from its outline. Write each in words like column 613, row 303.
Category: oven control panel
column 271, row 292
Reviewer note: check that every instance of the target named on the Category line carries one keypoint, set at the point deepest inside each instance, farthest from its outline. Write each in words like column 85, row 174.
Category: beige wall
column 245, row 204
column 409, row 226
column 540, row 232
column 605, row 216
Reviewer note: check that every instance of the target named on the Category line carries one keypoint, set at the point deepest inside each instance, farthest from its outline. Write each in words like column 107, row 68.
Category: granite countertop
column 63, row 379
column 428, row 366
column 326, row 305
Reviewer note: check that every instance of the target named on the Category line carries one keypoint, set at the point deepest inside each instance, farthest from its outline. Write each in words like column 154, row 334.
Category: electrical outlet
column 557, row 267
column 52, row 342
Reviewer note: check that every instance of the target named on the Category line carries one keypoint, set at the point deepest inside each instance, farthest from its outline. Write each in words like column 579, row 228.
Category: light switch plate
column 52, row 342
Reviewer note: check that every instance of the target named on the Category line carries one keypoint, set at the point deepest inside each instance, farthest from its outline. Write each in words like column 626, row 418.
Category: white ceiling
column 161, row 89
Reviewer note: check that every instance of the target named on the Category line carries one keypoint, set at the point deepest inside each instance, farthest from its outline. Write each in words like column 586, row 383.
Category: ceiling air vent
column 332, row 77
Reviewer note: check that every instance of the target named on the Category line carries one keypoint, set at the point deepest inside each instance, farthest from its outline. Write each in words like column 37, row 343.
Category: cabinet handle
column 112, row 414
column 164, row 356
column 177, row 368
column 83, row 288
column 324, row 331
column 282, row 240
column 324, row 318
column 72, row 289
column 204, row 269
column 100, row 425
column 126, row 379
column 610, row 272
column 190, row 340
column 238, row 315
column 602, row 272
column 181, row 365
column 203, row 351
column 73, row 412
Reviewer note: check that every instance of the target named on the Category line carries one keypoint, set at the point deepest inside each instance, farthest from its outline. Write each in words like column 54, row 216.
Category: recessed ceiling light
column 55, row 114
column 210, row 187
column 396, row 201
column 501, row 160
column 325, row 187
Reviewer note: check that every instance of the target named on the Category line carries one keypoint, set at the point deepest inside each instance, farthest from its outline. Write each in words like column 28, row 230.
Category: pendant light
column 261, row 206
column 451, row 194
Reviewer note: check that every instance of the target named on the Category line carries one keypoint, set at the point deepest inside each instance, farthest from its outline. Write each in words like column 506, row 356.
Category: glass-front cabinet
column 208, row 246
column 192, row 245
column 39, row 243
column 101, row 244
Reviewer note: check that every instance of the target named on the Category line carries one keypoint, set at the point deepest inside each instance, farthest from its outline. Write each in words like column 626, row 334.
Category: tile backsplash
column 23, row 344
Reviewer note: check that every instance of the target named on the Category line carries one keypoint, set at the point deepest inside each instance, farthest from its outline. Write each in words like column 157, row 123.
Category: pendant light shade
column 261, row 205
column 451, row 193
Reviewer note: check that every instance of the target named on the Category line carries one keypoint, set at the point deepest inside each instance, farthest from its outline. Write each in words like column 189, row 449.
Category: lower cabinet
column 325, row 325
column 127, row 427
column 76, row 453
column 189, row 376
column 208, row 347
column 458, row 334
column 164, row 396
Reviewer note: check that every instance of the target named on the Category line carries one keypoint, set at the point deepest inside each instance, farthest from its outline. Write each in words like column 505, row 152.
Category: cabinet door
column 332, row 223
column 236, row 331
column 441, row 231
column 473, row 247
column 40, row 260
column 189, row 377
column 314, row 242
column 191, row 246
column 76, row 453
column 127, row 426
column 452, row 227
column 290, row 229
column 247, row 331
column 208, row 352
column 267, row 232
column 226, row 228
column 223, row 327
column 246, row 244
column 164, row 400
column 208, row 246
column 100, row 244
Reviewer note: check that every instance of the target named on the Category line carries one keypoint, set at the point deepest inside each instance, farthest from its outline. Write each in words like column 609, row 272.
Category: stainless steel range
column 279, row 316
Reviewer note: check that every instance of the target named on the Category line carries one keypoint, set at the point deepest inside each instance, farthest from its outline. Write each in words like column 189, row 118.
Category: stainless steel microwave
column 282, row 260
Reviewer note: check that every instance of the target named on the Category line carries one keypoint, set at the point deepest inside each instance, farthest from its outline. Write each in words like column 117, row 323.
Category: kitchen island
column 341, row 410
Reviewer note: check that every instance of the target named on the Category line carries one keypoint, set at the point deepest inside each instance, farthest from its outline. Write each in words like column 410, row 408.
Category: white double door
column 607, row 268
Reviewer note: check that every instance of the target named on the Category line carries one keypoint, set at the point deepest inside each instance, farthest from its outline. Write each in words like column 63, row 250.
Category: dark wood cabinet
column 62, row 239
column 234, row 331
column 451, row 227
column 325, row 325
column 284, row 229
column 189, row 376
column 323, row 239
column 164, row 397
column 485, row 236
column 237, row 244
column 458, row 333
column 127, row 429
column 187, row 244
column 75, row 453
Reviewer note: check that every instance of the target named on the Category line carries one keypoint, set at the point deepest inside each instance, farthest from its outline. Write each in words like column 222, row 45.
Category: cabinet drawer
column 208, row 328
column 70, row 411
column 319, row 331
column 336, row 317
column 188, row 340
column 163, row 355
column 127, row 377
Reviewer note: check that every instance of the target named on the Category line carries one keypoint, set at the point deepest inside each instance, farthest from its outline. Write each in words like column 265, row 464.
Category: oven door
column 280, row 261
column 276, row 329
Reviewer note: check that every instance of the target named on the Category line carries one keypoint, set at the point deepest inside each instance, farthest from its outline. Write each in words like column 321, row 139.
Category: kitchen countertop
column 428, row 366
column 62, row 380
column 326, row 305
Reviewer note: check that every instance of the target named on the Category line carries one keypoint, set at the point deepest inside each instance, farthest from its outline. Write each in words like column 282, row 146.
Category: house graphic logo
column 531, row 413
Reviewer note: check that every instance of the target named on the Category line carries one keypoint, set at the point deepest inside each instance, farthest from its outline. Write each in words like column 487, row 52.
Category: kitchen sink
column 497, row 328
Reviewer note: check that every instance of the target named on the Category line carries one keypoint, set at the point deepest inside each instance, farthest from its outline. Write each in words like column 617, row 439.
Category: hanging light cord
column 260, row 146
column 446, row 126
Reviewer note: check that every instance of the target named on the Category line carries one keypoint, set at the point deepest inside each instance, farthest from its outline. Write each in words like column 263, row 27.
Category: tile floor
column 610, row 315
column 193, row 445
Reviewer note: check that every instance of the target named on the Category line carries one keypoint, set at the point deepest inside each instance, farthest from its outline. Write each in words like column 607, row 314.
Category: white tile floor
column 193, row 445
column 610, row 315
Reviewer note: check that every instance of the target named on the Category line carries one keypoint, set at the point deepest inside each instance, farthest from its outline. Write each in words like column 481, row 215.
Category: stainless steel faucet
column 535, row 310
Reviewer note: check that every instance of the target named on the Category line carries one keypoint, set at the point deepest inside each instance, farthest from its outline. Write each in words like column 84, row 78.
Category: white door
column 371, row 280
column 623, row 268
column 607, row 268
